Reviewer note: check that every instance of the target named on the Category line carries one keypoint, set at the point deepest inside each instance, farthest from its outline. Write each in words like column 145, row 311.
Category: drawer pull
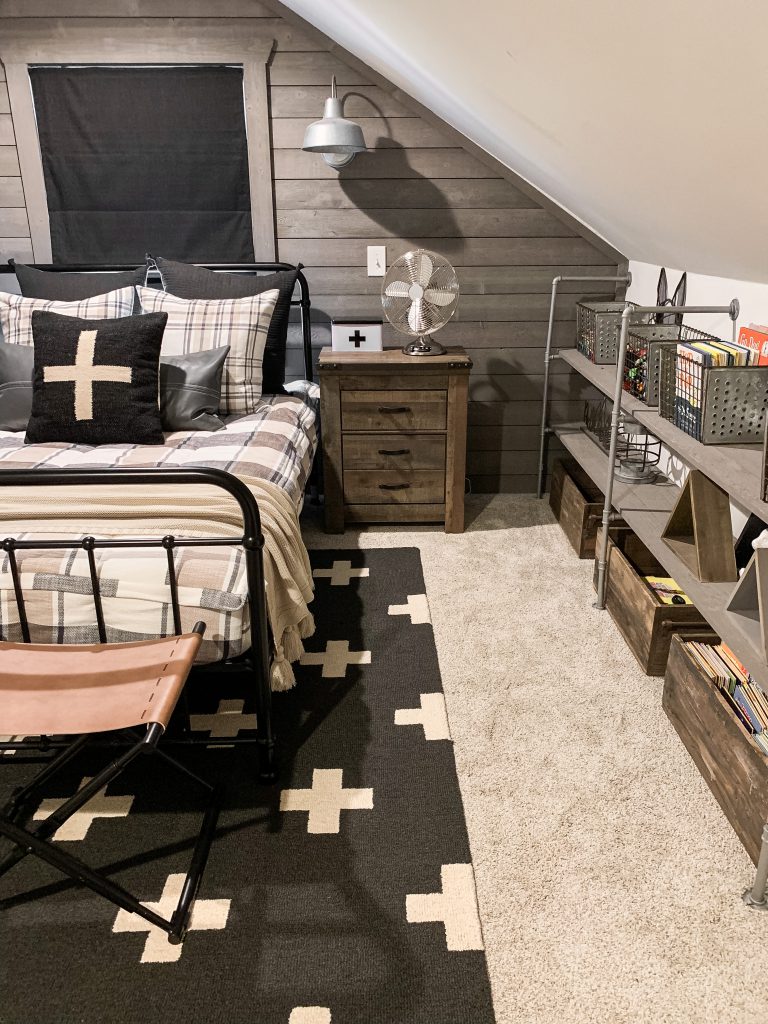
column 394, row 487
column 396, row 451
column 394, row 408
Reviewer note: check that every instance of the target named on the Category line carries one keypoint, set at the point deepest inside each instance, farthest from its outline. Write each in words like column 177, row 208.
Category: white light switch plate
column 377, row 260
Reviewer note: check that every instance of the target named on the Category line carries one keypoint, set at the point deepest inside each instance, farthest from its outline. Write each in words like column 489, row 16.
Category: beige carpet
column 609, row 881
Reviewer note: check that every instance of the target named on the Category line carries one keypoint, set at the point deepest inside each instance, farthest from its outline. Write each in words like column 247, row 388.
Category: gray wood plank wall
column 418, row 186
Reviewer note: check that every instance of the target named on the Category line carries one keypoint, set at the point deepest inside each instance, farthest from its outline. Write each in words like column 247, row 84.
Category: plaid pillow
column 197, row 325
column 16, row 311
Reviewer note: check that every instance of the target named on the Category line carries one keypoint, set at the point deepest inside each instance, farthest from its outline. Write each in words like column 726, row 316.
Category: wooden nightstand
column 394, row 431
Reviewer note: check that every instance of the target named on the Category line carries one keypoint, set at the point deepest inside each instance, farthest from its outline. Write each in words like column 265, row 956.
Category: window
column 143, row 159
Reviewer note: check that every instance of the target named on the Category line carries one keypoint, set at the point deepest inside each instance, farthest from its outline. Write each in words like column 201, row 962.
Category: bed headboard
column 302, row 303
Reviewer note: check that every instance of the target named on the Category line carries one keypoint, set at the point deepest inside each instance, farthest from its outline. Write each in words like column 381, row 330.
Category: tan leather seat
column 52, row 689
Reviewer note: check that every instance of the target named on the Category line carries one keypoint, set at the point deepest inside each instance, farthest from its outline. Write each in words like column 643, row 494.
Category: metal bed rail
column 251, row 541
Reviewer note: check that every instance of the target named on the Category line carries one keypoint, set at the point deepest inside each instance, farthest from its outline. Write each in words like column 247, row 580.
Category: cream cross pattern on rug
column 432, row 716
column 416, row 607
column 99, row 806
column 226, row 721
column 341, row 574
column 335, row 659
column 207, row 915
column 84, row 374
column 455, row 906
column 310, row 1015
column 326, row 800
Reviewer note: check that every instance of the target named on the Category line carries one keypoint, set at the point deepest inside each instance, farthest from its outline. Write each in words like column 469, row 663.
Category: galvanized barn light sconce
column 335, row 137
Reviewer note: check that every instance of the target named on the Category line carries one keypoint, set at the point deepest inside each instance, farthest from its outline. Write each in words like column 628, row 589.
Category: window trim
column 105, row 41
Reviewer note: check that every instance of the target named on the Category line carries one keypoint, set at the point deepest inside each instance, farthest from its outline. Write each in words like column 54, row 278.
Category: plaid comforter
column 276, row 443
column 271, row 450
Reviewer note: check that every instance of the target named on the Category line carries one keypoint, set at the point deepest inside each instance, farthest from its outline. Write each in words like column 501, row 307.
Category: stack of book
column 692, row 358
column 747, row 701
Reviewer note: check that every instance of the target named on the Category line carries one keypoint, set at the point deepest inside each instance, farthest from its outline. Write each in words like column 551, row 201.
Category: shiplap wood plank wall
column 418, row 187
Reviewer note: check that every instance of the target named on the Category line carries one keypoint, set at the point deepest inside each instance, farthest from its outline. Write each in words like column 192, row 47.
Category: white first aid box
column 356, row 335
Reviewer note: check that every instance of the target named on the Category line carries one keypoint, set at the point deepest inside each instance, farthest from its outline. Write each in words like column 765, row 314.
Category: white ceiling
column 647, row 120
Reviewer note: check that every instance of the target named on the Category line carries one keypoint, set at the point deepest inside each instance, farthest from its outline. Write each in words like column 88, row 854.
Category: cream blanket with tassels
column 186, row 511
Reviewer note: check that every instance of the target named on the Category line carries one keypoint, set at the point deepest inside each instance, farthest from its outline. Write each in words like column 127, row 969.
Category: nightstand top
column 393, row 358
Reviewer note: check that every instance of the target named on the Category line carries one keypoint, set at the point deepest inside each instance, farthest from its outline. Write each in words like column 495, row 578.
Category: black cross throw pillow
column 96, row 381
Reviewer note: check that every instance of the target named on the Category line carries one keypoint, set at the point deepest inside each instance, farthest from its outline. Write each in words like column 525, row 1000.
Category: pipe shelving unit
column 755, row 897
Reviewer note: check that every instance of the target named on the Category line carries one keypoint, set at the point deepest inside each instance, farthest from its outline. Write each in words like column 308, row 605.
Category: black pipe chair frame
column 15, row 815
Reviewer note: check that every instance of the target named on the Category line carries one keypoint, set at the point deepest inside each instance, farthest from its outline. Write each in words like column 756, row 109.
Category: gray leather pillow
column 190, row 388
column 17, row 364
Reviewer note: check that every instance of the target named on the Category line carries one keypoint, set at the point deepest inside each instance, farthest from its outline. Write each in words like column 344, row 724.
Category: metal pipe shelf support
column 733, row 312
column 548, row 357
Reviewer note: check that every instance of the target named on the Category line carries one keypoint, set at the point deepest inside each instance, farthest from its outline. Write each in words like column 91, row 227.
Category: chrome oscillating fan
column 420, row 294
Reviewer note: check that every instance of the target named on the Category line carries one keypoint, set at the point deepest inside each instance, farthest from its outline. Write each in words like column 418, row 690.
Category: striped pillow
column 16, row 311
column 196, row 325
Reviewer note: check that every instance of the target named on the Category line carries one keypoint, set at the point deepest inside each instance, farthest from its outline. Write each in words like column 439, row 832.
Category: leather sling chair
column 86, row 689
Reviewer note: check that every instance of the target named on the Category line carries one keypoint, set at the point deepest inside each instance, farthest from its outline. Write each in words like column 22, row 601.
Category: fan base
column 423, row 347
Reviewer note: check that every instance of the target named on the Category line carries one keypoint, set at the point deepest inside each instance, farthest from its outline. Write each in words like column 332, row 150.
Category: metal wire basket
column 713, row 404
column 637, row 453
column 597, row 328
column 644, row 345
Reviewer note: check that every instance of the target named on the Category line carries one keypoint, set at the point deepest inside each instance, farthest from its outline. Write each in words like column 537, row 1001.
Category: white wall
column 704, row 290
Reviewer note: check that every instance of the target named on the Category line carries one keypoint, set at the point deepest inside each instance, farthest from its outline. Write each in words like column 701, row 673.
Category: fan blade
column 418, row 320
column 424, row 269
column 397, row 290
column 439, row 296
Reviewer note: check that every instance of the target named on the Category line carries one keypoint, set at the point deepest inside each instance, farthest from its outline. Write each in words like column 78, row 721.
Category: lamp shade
column 334, row 133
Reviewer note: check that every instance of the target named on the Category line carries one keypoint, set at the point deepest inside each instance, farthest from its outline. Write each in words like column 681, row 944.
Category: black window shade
column 145, row 159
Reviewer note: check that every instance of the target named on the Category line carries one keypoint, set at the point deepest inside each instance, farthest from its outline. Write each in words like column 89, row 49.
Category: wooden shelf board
column 737, row 468
column 646, row 508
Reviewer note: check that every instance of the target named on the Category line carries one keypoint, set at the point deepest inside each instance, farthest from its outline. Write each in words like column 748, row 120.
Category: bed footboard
column 251, row 541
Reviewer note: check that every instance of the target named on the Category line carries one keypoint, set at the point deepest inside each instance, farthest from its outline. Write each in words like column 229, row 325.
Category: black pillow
column 189, row 282
column 96, row 381
column 190, row 388
column 44, row 284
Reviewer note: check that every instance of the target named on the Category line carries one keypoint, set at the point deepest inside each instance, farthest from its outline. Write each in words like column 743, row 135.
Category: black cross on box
column 357, row 338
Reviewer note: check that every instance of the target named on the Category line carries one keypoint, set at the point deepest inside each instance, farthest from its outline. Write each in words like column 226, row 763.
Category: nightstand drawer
column 394, row 451
column 393, row 487
column 393, row 410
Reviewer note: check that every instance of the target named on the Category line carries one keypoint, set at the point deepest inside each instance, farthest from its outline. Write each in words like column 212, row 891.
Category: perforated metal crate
column 598, row 323
column 644, row 345
column 724, row 405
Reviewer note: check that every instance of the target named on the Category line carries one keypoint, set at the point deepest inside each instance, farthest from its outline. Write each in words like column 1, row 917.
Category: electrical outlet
column 377, row 260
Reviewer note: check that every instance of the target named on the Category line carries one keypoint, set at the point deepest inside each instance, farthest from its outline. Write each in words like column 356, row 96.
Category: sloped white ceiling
column 648, row 120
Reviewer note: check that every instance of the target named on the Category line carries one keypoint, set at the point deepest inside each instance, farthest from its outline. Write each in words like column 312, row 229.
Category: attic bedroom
column 383, row 454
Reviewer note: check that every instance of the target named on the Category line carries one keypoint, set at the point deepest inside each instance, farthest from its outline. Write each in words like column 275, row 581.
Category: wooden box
column 734, row 767
column 646, row 624
column 577, row 504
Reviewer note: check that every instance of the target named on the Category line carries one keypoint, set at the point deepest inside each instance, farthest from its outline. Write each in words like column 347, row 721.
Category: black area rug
column 360, row 910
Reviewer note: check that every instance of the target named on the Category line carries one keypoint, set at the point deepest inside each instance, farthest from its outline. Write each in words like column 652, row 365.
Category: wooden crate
column 646, row 624
column 734, row 767
column 577, row 503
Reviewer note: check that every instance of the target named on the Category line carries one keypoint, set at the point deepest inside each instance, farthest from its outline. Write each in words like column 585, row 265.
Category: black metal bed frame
column 257, row 659
column 303, row 303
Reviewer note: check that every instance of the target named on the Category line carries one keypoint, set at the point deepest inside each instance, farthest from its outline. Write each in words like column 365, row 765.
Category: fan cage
column 442, row 278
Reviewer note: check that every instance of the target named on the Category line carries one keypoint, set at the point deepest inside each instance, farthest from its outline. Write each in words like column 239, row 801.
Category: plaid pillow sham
column 197, row 325
column 16, row 311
